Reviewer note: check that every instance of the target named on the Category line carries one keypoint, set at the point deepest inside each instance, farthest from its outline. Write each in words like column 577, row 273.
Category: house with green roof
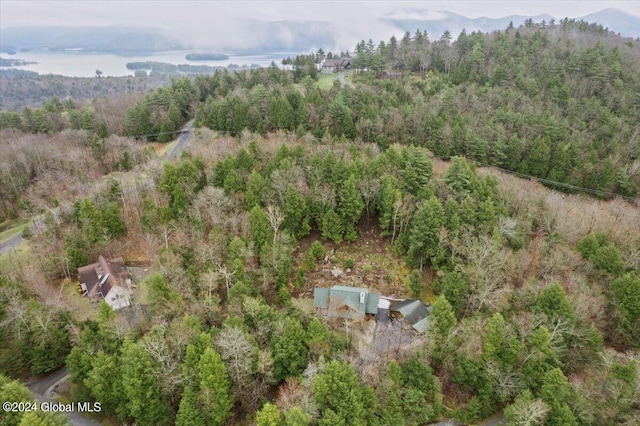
column 346, row 302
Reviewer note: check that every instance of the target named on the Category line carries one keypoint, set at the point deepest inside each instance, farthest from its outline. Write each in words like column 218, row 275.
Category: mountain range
column 262, row 36
column 616, row 20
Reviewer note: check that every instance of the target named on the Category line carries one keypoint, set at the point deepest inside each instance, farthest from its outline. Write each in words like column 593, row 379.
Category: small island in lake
column 206, row 57
column 4, row 62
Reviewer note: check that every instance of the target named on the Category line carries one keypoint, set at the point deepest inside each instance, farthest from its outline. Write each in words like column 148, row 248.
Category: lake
column 73, row 63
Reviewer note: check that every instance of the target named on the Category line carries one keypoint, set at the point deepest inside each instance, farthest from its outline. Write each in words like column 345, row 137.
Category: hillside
column 404, row 180
column 118, row 39
column 20, row 89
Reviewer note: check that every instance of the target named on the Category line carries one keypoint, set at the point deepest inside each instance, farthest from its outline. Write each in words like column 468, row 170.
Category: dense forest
column 399, row 178
column 26, row 89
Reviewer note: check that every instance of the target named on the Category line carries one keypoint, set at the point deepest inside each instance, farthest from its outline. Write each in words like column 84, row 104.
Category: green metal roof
column 347, row 302
column 349, row 289
column 372, row 303
column 421, row 326
column 414, row 312
column 320, row 297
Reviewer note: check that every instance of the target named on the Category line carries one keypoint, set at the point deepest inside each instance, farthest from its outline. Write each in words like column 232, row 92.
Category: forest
column 495, row 177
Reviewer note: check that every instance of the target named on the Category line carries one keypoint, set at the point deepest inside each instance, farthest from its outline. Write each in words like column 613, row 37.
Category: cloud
column 416, row 15
column 241, row 24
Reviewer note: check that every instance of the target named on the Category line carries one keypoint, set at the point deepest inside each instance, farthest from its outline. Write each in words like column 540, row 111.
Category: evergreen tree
column 424, row 241
column 340, row 397
column 256, row 186
column 350, row 206
column 554, row 303
column 415, row 283
column 626, row 298
column 101, row 381
column 269, row 415
column 460, row 176
column 455, row 288
column 332, row 226
column 297, row 417
column 555, row 390
column 296, row 213
column 442, row 321
column 261, row 231
column 140, row 386
column 189, row 412
column 537, row 162
column 290, row 350
column 215, row 398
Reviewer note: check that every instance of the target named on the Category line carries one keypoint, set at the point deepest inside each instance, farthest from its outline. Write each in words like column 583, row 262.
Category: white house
column 107, row 280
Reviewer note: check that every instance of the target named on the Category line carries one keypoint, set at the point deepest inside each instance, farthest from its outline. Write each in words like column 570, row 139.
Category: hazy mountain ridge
column 261, row 36
column 120, row 39
column 616, row 20
column 455, row 23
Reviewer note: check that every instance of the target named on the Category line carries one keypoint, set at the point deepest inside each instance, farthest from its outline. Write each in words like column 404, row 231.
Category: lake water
column 81, row 64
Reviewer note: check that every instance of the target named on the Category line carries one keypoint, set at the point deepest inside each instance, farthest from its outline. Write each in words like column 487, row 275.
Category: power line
column 518, row 174
column 561, row 184
column 157, row 134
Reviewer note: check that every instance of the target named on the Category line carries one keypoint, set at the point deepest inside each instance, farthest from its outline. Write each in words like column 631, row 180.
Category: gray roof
column 421, row 326
column 372, row 303
column 336, row 62
column 320, row 297
column 101, row 276
column 413, row 311
column 346, row 301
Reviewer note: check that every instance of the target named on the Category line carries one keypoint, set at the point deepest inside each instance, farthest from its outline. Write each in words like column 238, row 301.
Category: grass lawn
column 162, row 148
column 79, row 305
column 325, row 81
column 11, row 227
column 12, row 223
column 11, row 260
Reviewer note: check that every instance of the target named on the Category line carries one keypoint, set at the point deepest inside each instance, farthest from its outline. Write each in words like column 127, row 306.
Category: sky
column 201, row 20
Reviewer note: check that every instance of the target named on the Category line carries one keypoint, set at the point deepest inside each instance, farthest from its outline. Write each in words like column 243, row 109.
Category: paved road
column 9, row 243
column 41, row 391
column 44, row 385
column 182, row 141
column 16, row 240
column 341, row 79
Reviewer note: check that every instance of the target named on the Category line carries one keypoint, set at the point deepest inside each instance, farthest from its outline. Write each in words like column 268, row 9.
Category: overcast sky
column 215, row 19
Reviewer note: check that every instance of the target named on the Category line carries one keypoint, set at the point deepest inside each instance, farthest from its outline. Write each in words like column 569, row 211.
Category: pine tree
column 189, row 412
column 297, row 417
column 140, row 386
column 626, row 298
column 101, row 381
column 554, row 303
column 332, row 226
column 261, row 231
column 442, row 321
column 269, row 415
column 215, row 398
column 339, row 395
column 290, row 350
column 296, row 213
column 255, row 189
column 423, row 234
column 350, row 206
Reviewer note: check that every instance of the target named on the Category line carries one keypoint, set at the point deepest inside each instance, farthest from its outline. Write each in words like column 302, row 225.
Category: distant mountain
column 255, row 36
column 114, row 39
column 617, row 21
column 436, row 23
